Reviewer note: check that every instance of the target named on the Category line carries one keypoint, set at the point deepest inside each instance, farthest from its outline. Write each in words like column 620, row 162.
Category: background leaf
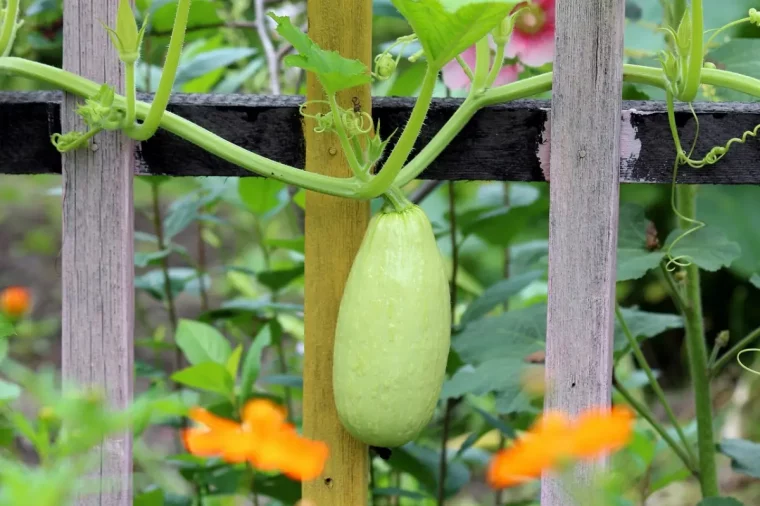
column 201, row 343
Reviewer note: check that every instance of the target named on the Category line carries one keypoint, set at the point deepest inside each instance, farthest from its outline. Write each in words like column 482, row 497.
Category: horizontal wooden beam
column 509, row 142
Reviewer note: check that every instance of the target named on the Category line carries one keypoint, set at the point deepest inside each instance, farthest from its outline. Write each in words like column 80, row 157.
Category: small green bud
column 385, row 66
column 127, row 39
column 683, row 37
column 709, row 65
column 722, row 340
column 754, row 17
column 502, row 32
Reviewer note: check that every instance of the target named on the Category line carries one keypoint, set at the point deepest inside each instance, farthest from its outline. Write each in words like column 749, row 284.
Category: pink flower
column 455, row 78
column 532, row 39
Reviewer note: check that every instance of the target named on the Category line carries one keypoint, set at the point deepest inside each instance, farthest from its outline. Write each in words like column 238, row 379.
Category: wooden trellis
column 585, row 142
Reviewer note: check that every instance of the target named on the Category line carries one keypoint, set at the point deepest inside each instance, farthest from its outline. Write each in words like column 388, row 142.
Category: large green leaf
column 514, row 334
column 490, row 376
column 422, row 463
column 333, row 70
column 6, row 327
column 252, row 363
column 734, row 211
column 261, row 194
column 644, row 325
column 208, row 376
column 518, row 333
column 741, row 56
column 9, row 391
column 201, row 342
column 446, row 28
column 707, row 247
column 634, row 258
column 497, row 294
column 744, row 455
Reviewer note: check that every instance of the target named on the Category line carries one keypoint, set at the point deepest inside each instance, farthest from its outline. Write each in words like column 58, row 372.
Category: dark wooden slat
column 500, row 143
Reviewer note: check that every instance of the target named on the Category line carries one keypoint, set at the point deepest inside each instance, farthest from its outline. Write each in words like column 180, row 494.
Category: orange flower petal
column 15, row 301
column 597, row 432
column 213, row 422
column 263, row 415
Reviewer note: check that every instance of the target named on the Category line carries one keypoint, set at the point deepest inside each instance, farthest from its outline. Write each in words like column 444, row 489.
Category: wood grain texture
column 334, row 230
column 97, row 264
column 500, row 143
column 583, row 216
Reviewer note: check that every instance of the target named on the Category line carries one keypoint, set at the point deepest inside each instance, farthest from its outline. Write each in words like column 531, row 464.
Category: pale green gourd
column 393, row 331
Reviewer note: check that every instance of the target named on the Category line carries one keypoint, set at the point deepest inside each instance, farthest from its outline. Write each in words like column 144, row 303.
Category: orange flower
column 554, row 439
column 15, row 301
column 263, row 438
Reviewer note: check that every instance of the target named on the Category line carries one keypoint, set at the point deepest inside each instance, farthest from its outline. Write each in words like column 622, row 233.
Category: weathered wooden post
column 97, row 265
column 334, row 230
column 583, row 221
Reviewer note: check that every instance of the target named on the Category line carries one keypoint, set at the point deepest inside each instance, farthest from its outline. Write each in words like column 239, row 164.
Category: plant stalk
column 696, row 348
column 734, row 350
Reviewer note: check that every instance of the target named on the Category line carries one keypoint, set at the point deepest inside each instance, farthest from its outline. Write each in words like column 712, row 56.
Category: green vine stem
column 9, row 26
column 644, row 412
column 152, row 121
column 395, row 162
column 636, row 349
column 734, row 351
column 696, row 53
column 697, row 355
column 353, row 187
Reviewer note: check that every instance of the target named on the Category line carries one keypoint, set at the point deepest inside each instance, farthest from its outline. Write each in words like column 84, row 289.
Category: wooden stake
column 97, row 256
column 583, row 221
column 334, row 230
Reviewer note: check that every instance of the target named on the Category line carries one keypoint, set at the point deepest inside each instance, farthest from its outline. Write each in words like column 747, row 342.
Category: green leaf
column 514, row 334
column 296, row 244
column 518, row 333
column 490, row 376
column 755, row 280
column 279, row 279
column 9, row 391
column 634, row 259
column 644, row 325
column 240, row 306
column 210, row 61
column 497, row 424
column 422, row 463
column 335, row 72
column 279, row 487
column 744, row 455
column 720, row 501
column 497, row 294
column 284, row 380
column 153, row 498
column 3, row 349
column 708, row 248
column 446, row 28
column 252, row 363
column 208, row 376
column 202, row 13
column 201, row 343
column 6, row 327
column 234, row 361
column 261, row 194
column 143, row 259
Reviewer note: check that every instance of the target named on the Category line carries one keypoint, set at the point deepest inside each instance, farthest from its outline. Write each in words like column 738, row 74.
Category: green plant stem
column 396, row 198
column 696, row 53
column 131, row 93
column 644, row 412
column 482, row 65
column 393, row 165
column 697, row 355
column 498, row 63
column 348, row 150
column 350, row 187
column 636, row 349
column 675, row 292
column 153, row 121
column 442, row 465
column 8, row 27
column 733, row 351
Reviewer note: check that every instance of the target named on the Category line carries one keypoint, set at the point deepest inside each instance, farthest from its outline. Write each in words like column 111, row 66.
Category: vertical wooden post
column 334, row 230
column 97, row 265
column 584, row 191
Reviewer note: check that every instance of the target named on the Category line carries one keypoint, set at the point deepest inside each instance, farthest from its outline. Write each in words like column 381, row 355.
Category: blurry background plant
column 219, row 307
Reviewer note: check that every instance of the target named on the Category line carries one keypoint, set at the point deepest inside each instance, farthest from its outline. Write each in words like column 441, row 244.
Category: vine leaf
column 755, row 280
column 707, row 247
column 744, row 455
column 635, row 257
column 335, row 72
column 445, row 28
column 720, row 501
